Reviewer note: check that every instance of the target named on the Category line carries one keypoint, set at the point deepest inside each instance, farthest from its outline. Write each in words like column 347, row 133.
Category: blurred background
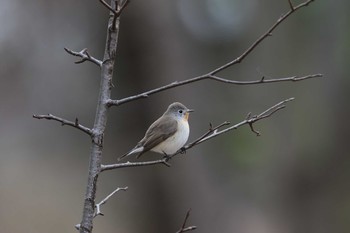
column 293, row 178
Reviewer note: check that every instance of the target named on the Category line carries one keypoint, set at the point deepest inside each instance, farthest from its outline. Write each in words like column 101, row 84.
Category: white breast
column 172, row 144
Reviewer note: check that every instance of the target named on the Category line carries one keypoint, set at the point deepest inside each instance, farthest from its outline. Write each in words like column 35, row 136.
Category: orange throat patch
column 187, row 114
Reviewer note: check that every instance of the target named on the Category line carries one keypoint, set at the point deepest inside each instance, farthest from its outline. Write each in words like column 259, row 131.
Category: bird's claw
column 182, row 150
column 166, row 156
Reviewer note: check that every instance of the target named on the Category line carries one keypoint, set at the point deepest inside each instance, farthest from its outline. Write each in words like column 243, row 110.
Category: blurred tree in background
column 294, row 178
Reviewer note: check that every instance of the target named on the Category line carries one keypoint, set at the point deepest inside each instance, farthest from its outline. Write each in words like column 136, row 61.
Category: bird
column 167, row 134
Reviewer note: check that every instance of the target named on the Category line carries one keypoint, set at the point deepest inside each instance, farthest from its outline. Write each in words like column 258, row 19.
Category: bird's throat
column 187, row 114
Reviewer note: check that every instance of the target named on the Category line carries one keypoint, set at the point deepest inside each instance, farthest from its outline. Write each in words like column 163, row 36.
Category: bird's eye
column 180, row 111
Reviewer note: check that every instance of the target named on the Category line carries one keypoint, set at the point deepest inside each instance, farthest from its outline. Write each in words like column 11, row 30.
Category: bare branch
column 109, row 7
column 134, row 164
column 211, row 133
column 191, row 228
column 121, row 7
column 211, row 74
column 211, row 77
column 98, row 206
column 261, row 38
column 183, row 227
column 291, row 5
column 74, row 124
column 84, row 55
column 248, row 121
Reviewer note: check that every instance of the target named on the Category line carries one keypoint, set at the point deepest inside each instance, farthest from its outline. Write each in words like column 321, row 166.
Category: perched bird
column 166, row 135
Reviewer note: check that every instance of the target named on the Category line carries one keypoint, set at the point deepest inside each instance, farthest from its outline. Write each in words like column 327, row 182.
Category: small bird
column 167, row 134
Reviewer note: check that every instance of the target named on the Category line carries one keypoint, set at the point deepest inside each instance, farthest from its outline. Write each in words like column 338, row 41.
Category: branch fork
column 291, row 5
column 74, row 123
column 84, row 55
column 250, row 120
column 104, row 201
column 183, row 227
column 120, row 7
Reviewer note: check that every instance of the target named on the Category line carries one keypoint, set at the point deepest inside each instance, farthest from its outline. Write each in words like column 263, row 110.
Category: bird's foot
column 166, row 156
column 182, row 150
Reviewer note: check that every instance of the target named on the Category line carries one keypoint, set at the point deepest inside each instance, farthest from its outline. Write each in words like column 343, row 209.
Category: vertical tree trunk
column 86, row 224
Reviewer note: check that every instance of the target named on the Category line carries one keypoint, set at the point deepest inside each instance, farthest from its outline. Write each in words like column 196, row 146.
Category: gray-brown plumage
column 167, row 134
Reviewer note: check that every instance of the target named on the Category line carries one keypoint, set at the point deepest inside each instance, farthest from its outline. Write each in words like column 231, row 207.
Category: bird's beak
column 187, row 113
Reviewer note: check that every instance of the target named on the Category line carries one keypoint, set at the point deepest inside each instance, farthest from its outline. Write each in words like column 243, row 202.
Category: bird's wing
column 158, row 132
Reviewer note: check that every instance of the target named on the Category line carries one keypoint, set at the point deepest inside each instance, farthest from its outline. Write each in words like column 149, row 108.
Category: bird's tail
column 123, row 156
column 133, row 151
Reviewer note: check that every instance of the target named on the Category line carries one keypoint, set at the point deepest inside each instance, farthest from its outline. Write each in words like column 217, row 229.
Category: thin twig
column 134, row 164
column 183, row 227
column 261, row 38
column 291, row 5
column 121, row 7
column 98, row 206
column 84, row 55
column 108, row 7
column 212, row 74
column 211, row 77
column 211, row 133
column 248, row 121
column 191, row 228
column 74, row 124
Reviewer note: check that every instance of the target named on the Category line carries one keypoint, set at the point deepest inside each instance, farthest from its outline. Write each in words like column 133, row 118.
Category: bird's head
column 178, row 110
